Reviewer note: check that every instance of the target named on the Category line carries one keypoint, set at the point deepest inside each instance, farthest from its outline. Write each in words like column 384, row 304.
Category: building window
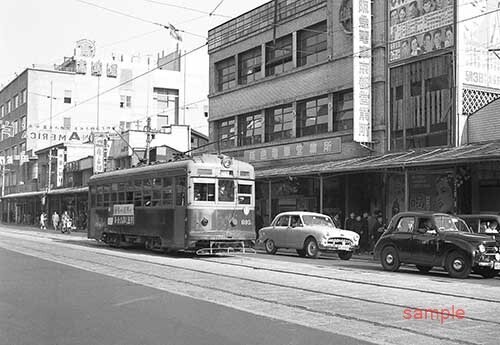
column 125, row 101
column 342, row 111
column 67, row 96
column 421, row 103
column 2, row 110
column 22, row 148
column 23, row 123
column 249, row 66
column 67, row 123
column 250, row 129
column 279, row 123
column 16, row 101
column 9, row 106
column 312, row 45
column 312, row 116
column 15, row 127
column 167, row 102
column 226, row 133
column 23, row 96
column 279, row 56
column 226, row 74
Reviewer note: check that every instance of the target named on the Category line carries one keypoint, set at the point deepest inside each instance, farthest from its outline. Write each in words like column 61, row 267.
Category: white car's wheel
column 270, row 247
column 311, row 248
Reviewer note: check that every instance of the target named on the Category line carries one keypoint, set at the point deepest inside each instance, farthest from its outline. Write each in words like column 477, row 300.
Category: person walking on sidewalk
column 55, row 220
column 43, row 221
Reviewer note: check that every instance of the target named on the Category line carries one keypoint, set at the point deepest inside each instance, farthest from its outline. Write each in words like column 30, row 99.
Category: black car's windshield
column 445, row 223
column 317, row 220
column 461, row 225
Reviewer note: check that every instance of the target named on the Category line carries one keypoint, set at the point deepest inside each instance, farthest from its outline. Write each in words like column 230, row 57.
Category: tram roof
column 210, row 160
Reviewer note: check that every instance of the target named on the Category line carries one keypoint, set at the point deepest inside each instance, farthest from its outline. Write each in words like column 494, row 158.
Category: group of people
column 413, row 10
column 489, row 227
column 369, row 227
column 431, row 41
column 63, row 222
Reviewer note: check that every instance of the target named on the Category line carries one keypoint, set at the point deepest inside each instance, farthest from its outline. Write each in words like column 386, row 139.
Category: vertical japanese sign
column 60, row 167
column 362, row 63
column 98, row 154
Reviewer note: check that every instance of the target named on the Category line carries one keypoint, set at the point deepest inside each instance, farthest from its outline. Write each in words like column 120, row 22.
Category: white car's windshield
column 317, row 220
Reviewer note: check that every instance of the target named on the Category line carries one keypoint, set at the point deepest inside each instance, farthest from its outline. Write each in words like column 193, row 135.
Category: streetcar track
column 317, row 292
column 260, row 299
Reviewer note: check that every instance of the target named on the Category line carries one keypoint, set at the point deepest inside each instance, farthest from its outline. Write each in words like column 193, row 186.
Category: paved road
column 47, row 303
column 352, row 298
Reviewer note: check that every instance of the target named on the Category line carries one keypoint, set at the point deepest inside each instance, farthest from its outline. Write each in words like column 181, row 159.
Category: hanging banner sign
column 99, row 154
column 362, row 69
column 60, row 167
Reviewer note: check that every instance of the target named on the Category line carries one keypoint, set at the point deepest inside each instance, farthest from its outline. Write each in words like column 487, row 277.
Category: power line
column 189, row 8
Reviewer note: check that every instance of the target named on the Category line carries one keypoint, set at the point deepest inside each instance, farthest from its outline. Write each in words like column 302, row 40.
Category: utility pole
column 149, row 138
column 50, row 140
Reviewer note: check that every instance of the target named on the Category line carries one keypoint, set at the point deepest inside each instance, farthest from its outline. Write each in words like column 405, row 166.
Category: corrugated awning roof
column 70, row 190
column 437, row 156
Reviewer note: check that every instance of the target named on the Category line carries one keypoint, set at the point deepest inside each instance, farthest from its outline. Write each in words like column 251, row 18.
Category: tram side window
column 147, row 193
column 180, row 191
column 204, row 191
column 156, row 197
column 168, row 195
column 130, row 197
column 226, row 190
column 138, row 198
column 244, row 194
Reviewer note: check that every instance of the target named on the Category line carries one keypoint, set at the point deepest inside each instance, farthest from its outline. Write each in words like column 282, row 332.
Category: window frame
column 256, row 131
column 270, row 116
column 307, row 51
column 225, row 71
column 304, row 108
column 282, row 60
column 250, row 66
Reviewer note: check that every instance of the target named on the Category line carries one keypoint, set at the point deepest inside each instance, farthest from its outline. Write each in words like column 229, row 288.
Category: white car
column 309, row 233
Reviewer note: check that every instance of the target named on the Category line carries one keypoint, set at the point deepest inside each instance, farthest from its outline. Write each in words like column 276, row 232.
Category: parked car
column 477, row 221
column 309, row 234
column 434, row 239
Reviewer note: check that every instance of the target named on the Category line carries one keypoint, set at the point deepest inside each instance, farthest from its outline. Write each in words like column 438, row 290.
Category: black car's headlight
column 482, row 248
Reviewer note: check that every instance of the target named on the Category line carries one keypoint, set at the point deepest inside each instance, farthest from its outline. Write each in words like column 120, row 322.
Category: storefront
column 464, row 179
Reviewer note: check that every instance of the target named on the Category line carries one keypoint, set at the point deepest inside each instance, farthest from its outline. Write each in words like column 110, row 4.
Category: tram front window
column 226, row 190
column 204, row 191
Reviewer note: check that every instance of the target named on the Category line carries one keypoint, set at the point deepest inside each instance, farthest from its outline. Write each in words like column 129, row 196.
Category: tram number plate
column 123, row 220
column 246, row 222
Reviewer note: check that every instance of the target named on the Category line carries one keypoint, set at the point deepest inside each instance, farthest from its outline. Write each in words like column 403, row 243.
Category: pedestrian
column 55, row 220
column 349, row 223
column 357, row 227
column 43, row 221
column 336, row 221
column 66, row 222
column 378, row 228
column 364, row 236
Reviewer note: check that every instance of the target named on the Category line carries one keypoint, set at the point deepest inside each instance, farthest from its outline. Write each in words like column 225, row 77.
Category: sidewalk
column 37, row 228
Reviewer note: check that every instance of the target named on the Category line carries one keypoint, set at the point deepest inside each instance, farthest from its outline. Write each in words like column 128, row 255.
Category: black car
column 436, row 239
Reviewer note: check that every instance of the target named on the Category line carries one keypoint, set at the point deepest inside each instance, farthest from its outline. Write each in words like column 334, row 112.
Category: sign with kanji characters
column 123, row 214
column 362, row 70
column 60, row 167
column 99, row 142
column 302, row 149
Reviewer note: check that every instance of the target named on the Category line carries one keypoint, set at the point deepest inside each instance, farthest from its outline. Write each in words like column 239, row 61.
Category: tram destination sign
column 123, row 214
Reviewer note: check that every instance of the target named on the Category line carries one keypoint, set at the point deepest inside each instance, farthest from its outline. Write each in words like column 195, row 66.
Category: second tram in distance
column 203, row 204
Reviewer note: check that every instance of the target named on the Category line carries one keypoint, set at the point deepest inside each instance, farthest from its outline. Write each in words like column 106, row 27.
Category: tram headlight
column 204, row 221
column 233, row 222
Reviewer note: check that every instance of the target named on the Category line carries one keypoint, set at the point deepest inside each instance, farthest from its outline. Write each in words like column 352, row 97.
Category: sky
column 43, row 32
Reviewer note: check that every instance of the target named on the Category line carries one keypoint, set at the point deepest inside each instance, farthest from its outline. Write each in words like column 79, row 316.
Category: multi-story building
column 85, row 94
column 356, row 106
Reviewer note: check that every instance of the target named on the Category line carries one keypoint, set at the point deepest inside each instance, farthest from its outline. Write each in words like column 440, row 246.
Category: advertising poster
column 431, row 192
column 362, row 63
column 419, row 27
column 98, row 154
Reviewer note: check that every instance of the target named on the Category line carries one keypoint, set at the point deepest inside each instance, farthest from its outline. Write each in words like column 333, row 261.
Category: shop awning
column 23, row 195
column 70, row 190
column 430, row 157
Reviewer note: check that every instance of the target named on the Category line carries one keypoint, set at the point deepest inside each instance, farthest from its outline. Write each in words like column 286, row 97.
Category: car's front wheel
column 390, row 259
column 270, row 247
column 311, row 248
column 345, row 255
column 457, row 265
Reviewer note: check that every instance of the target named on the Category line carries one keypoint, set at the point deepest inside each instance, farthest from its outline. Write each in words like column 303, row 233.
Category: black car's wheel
column 270, row 247
column 390, row 259
column 311, row 248
column 345, row 255
column 301, row 252
column 486, row 272
column 457, row 265
column 424, row 269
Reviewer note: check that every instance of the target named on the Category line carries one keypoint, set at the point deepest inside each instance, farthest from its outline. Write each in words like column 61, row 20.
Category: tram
column 204, row 204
